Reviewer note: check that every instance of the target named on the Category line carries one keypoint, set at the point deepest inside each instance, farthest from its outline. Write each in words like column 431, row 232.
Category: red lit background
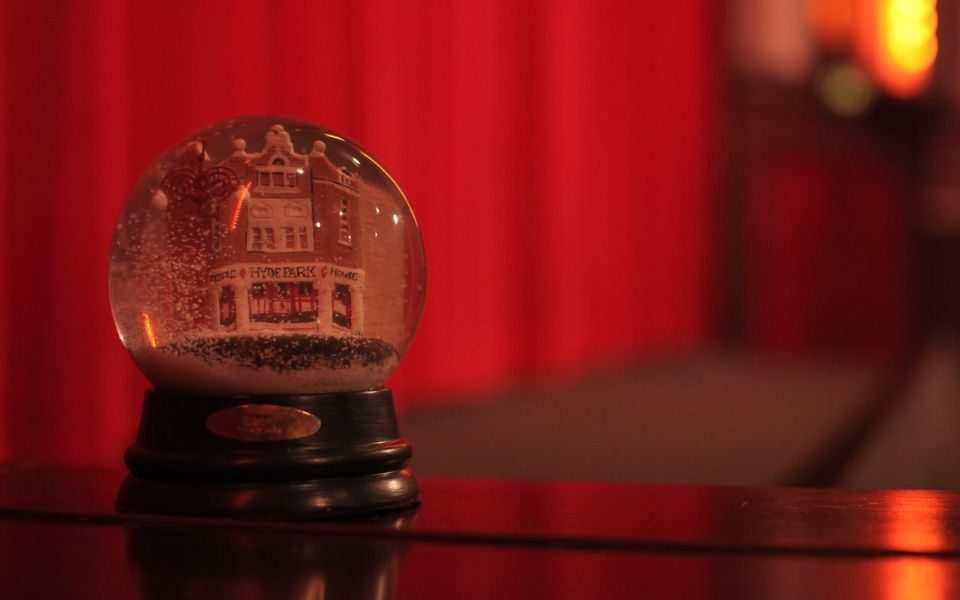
column 557, row 156
column 590, row 190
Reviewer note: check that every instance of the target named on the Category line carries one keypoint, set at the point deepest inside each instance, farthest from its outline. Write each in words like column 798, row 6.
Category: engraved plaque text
column 263, row 423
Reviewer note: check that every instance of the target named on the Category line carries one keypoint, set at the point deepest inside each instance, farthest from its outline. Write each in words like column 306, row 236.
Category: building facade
column 287, row 244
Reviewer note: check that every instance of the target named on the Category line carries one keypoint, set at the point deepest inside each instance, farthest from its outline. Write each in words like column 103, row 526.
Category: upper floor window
column 216, row 235
column 280, row 225
column 345, row 237
column 303, row 237
column 278, row 176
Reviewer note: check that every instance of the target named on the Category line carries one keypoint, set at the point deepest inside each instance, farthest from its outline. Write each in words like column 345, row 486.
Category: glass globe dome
column 266, row 255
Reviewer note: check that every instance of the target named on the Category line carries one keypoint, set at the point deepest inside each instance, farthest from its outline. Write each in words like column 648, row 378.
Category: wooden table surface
column 60, row 538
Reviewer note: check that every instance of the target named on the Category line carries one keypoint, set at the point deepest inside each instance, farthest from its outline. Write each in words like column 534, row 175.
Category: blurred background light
column 907, row 44
column 846, row 90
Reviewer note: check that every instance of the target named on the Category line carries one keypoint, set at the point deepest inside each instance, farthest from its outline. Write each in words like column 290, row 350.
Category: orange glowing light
column 833, row 22
column 148, row 329
column 236, row 211
column 916, row 521
column 906, row 44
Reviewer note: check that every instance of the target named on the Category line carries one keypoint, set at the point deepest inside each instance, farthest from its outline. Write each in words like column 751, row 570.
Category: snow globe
column 267, row 275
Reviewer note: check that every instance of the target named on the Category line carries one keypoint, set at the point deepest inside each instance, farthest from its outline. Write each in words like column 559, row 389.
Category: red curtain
column 557, row 154
column 827, row 266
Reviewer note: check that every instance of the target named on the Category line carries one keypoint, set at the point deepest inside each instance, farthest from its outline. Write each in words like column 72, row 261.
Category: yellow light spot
column 148, row 329
column 846, row 90
column 908, row 44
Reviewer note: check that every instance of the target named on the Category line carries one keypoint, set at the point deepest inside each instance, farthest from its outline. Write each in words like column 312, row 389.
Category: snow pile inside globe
column 266, row 255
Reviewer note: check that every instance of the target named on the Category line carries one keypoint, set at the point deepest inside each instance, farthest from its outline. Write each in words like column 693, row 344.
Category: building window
column 342, row 306
column 278, row 176
column 345, row 237
column 228, row 307
column 283, row 223
column 215, row 235
column 259, row 298
column 283, row 302
column 306, row 303
column 281, row 305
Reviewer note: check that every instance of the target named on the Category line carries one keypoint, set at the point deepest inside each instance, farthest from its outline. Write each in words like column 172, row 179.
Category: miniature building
column 286, row 244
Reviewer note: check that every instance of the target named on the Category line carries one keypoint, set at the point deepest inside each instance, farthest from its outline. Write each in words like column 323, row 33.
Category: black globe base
column 268, row 457
column 297, row 500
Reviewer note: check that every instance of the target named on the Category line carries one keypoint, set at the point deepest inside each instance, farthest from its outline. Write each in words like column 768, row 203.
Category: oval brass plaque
column 263, row 423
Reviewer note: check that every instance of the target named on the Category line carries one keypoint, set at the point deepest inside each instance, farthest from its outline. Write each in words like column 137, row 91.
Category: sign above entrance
column 286, row 272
